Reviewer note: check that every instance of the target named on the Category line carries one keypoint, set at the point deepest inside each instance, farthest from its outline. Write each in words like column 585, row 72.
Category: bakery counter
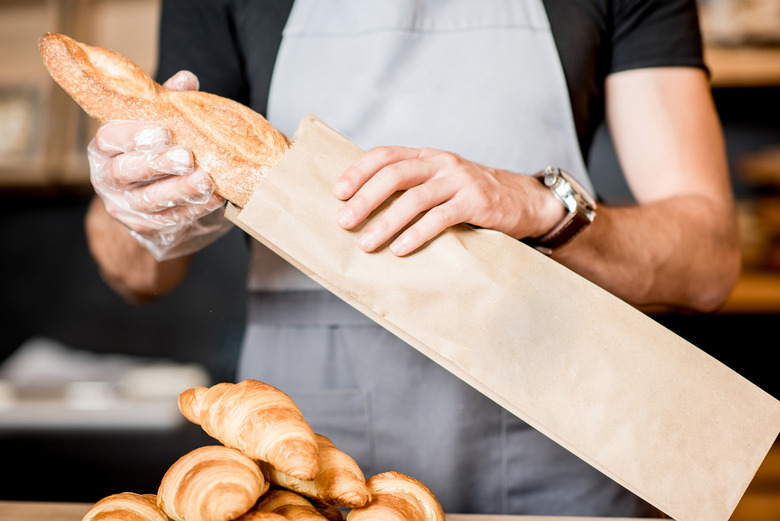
column 42, row 511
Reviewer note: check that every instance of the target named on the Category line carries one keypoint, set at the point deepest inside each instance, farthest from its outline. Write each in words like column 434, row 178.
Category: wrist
column 187, row 238
column 550, row 211
column 577, row 204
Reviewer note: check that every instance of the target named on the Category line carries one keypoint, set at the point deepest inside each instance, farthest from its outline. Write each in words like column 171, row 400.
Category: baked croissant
column 288, row 504
column 259, row 420
column 254, row 515
column 329, row 512
column 397, row 497
column 229, row 141
column 211, row 483
column 126, row 506
column 339, row 482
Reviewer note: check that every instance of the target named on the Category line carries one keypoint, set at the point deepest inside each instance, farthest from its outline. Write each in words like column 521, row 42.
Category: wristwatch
column 580, row 206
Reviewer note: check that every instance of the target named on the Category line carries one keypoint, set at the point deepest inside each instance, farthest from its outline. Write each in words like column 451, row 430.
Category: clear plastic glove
column 152, row 187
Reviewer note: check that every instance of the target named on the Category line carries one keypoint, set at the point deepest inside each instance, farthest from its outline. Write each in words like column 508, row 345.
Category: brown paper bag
column 626, row 395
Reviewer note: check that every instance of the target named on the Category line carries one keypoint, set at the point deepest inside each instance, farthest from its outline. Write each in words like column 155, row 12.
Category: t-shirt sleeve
column 200, row 36
column 655, row 33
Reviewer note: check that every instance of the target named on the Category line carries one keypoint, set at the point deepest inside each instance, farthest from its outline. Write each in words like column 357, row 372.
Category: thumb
column 182, row 80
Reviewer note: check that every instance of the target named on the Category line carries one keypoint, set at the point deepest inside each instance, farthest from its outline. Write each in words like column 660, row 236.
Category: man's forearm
column 671, row 252
column 125, row 265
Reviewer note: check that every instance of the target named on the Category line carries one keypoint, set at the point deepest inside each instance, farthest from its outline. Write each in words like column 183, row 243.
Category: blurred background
column 88, row 382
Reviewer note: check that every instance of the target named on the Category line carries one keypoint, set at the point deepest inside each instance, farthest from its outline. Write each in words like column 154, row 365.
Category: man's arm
column 147, row 185
column 678, row 246
column 125, row 265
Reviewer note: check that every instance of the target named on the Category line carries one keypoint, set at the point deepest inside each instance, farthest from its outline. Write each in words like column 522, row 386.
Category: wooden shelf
column 761, row 501
column 755, row 292
column 743, row 66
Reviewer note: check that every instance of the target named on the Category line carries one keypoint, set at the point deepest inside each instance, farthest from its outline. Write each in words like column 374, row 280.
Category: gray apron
column 482, row 79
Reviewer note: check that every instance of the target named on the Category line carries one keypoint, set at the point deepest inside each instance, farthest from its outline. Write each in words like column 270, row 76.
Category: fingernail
column 176, row 161
column 200, row 181
column 341, row 189
column 180, row 158
column 152, row 136
column 366, row 241
column 345, row 218
column 400, row 246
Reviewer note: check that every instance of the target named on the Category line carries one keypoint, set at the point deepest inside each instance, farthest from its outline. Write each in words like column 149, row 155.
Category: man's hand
column 150, row 200
column 676, row 247
column 151, row 186
column 443, row 189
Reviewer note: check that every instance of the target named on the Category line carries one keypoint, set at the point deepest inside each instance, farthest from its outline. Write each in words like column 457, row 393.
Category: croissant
column 288, row 504
column 329, row 512
column 229, row 141
column 339, row 482
column 397, row 497
column 258, row 419
column 211, row 483
column 254, row 515
column 126, row 506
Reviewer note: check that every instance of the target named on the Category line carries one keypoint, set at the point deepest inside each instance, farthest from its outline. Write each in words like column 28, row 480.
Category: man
column 454, row 100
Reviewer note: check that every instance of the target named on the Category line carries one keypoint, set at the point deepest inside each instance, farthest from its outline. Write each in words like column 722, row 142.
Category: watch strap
column 572, row 224
column 566, row 230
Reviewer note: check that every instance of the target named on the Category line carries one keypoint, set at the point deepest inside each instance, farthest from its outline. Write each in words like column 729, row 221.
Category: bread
column 257, row 419
column 329, row 512
column 339, row 482
column 211, row 483
column 290, row 505
column 229, row 141
column 126, row 506
column 397, row 497
column 254, row 515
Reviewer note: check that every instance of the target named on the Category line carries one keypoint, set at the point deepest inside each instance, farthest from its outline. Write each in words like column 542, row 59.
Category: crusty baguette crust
column 229, row 141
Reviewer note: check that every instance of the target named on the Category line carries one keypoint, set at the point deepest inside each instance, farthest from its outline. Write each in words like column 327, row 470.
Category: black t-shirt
column 231, row 45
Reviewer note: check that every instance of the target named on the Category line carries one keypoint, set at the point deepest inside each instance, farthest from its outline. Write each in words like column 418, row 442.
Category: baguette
column 234, row 145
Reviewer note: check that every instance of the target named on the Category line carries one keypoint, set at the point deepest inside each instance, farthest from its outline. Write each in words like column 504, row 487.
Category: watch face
column 578, row 191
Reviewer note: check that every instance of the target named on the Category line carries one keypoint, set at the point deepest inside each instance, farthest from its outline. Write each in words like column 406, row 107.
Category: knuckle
column 443, row 216
column 121, row 170
column 448, row 159
column 150, row 136
column 417, row 198
column 139, row 201
column 383, row 151
column 476, row 196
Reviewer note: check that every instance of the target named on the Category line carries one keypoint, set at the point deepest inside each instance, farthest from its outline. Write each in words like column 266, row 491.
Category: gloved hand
column 152, row 187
